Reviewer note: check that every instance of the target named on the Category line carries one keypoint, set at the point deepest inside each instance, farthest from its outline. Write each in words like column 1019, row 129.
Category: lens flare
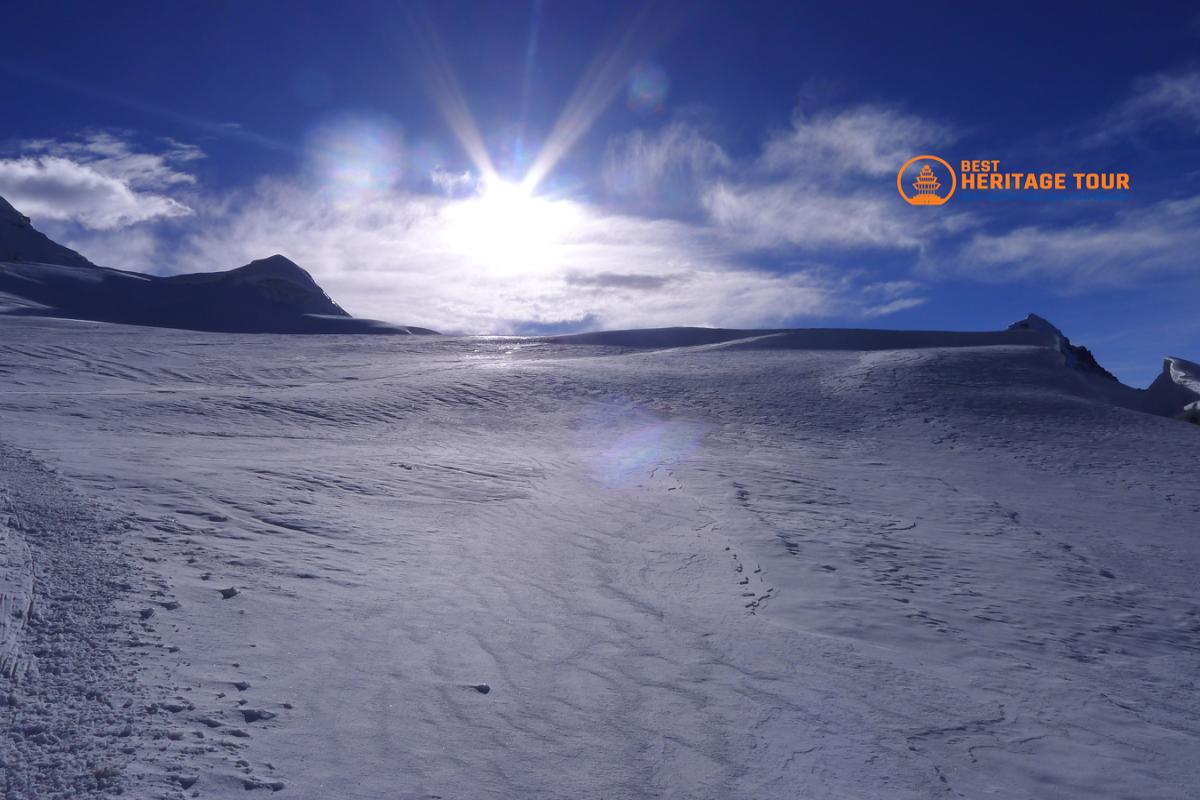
column 358, row 154
column 639, row 441
column 648, row 87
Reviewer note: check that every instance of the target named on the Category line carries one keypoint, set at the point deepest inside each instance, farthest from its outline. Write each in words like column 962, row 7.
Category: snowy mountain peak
column 269, row 282
column 277, row 266
column 1035, row 323
column 1075, row 356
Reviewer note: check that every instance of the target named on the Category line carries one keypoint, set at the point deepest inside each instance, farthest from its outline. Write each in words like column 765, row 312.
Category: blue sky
column 558, row 165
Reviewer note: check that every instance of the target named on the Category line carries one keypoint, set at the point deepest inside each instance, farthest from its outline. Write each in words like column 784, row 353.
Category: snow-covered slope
column 498, row 568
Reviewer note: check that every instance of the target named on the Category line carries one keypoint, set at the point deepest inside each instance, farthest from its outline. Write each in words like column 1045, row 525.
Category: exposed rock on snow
column 256, row 714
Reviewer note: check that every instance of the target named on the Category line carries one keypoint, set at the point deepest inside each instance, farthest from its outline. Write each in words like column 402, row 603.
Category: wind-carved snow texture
column 490, row 568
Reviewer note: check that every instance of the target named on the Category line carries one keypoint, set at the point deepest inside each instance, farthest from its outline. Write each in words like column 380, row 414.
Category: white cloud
column 664, row 167
column 424, row 260
column 889, row 297
column 99, row 181
column 824, row 183
column 865, row 140
column 1166, row 99
column 1136, row 244
column 138, row 248
column 465, row 259
column 893, row 306
column 115, row 157
column 452, row 183
column 789, row 213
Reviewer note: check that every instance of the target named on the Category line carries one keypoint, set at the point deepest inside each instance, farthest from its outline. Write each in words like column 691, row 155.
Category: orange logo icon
column 929, row 179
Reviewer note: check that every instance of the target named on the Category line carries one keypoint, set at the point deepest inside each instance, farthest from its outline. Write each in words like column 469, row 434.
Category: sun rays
column 504, row 222
column 608, row 74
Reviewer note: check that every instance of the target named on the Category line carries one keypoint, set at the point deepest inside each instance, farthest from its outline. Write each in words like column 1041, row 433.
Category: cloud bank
column 99, row 181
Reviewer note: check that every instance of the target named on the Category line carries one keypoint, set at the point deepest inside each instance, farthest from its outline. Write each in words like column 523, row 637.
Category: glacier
column 673, row 564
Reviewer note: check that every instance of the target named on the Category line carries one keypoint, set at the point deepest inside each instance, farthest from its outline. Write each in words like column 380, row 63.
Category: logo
column 932, row 181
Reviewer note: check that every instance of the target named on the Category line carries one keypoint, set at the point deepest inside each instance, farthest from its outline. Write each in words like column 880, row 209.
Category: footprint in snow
column 256, row 714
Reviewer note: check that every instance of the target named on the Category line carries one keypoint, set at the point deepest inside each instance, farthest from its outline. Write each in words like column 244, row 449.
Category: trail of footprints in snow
column 221, row 728
column 754, row 588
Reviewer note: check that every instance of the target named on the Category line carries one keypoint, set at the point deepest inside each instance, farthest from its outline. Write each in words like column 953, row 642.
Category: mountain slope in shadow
column 39, row 277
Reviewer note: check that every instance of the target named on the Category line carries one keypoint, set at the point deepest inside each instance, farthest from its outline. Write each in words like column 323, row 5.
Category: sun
column 510, row 230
